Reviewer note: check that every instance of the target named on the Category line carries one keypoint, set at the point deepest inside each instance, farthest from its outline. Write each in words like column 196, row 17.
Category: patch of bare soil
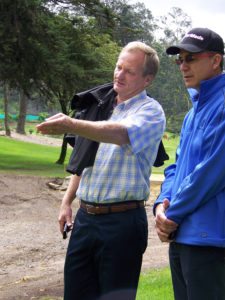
column 32, row 250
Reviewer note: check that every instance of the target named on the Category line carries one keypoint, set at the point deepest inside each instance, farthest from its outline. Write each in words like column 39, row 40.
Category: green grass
column 33, row 159
column 23, row 158
column 155, row 285
column 170, row 146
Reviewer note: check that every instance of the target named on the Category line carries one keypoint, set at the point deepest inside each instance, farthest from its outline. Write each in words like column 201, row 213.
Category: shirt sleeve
column 145, row 126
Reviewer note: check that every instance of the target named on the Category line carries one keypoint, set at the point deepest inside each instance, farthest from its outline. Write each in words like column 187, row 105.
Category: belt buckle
column 89, row 208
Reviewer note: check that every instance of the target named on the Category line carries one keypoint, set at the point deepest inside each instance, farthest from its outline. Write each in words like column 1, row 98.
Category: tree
column 22, row 112
column 130, row 22
column 53, row 51
column 81, row 58
column 168, row 88
column 174, row 25
column 6, row 119
column 22, row 32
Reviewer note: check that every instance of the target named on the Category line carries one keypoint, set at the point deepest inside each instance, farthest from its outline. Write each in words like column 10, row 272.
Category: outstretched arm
column 99, row 131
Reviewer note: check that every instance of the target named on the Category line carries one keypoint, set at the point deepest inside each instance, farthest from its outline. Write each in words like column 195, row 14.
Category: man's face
column 196, row 67
column 128, row 75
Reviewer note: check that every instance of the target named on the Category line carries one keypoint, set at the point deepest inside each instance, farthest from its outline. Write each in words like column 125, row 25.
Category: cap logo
column 194, row 36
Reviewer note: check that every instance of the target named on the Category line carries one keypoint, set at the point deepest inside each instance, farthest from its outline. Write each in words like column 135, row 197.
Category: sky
column 203, row 13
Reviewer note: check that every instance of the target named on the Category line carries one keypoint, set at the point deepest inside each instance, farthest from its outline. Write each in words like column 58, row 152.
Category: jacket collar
column 208, row 88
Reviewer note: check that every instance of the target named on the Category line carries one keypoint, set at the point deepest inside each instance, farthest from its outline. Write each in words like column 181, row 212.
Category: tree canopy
column 55, row 48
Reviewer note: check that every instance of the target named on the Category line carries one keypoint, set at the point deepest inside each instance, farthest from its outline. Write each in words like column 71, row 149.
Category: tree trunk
column 6, row 101
column 63, row 152
column 22, row 113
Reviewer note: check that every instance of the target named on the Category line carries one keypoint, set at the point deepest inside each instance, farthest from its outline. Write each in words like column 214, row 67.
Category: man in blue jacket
column 190, row 210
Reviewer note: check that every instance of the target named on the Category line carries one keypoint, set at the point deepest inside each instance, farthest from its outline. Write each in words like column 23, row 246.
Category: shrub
column 42, row 116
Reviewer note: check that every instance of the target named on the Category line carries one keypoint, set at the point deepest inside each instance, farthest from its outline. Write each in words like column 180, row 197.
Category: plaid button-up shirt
column 121, row 173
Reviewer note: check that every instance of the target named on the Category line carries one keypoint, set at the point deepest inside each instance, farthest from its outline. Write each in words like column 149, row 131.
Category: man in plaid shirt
column 110, row 230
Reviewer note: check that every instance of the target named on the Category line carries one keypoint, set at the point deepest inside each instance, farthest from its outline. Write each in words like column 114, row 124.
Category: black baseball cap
column 199, row 40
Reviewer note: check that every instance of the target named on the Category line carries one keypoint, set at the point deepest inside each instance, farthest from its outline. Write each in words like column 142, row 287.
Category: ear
column 148, row 80
column 217, row 60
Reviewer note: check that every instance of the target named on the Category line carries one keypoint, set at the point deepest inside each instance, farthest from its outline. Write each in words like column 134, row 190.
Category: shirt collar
column 129, row 102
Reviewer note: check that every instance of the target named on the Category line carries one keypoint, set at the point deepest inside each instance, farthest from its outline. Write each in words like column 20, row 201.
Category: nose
column 184, row 65
column 120, row 74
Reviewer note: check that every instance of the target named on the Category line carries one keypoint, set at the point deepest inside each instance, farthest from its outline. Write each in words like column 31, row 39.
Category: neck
column 119, row 100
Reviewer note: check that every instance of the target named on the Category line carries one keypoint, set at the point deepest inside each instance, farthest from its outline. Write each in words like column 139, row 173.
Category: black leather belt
column 100, row 209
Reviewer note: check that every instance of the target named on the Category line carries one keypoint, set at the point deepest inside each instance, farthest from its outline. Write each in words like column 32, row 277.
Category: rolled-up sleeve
column 145, row 126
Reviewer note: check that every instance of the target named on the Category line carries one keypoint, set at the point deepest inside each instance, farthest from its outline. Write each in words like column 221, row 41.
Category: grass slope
column 19, row 157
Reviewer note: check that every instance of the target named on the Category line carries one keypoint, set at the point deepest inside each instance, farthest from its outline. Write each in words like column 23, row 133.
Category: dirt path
column 32, row 250
column 35, row 138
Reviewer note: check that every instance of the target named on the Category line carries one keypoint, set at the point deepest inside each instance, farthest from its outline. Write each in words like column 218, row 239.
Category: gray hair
column 151, row 64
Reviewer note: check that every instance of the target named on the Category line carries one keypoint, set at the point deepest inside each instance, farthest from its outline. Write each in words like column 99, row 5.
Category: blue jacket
column 195, row 184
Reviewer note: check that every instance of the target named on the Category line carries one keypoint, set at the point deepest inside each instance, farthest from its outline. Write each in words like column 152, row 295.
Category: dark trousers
column 104, row 255
column 197, row 272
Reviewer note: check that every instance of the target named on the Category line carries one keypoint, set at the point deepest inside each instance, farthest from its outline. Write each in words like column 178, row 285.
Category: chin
column 116, row 86
column 188, row 83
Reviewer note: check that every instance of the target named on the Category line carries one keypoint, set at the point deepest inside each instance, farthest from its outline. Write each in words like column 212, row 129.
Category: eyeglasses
column 189, row 58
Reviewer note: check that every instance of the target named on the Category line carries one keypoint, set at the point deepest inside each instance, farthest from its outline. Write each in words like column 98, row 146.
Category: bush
column 42, row 116
column 174, row 123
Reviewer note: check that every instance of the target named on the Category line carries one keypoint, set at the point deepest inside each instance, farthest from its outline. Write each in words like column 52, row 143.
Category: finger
column 160, row 217
column 69, row 221
column 38, row 127
column 43, row 125
column 50, row 122
column 163, row 236
column 166, row 203
column 164, row 227
column 162, row 220
column 159, row 209
column 57, row 116
column 46, row 131
column 47, row 127
column 61, row 225
column 172, row 226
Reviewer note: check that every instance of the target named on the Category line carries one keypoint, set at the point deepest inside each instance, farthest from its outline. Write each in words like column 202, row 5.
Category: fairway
column 19, row 157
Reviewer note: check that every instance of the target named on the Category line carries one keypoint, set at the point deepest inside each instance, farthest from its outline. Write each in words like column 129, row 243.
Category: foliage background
column 52, row 49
